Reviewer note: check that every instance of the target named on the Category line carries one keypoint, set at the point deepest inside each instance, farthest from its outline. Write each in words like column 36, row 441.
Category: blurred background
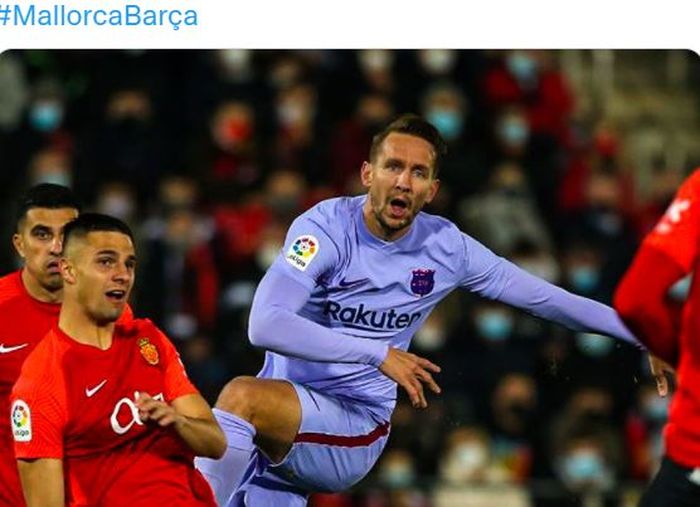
column 558, row 160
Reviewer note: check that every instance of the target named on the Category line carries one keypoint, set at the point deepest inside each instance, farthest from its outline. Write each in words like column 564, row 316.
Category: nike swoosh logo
column 7, row 350
column 345, row 284
column 90, row 392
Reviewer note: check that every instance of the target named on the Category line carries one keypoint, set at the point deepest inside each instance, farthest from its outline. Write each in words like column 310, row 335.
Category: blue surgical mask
column 449, row 123
column 46, row 116
column 584, row 466
column 495, row 326
column 514, row 131
column 656, row 409
column 398, row 475
column 679, row 291
column 584, row 279
column 522, row 66
column 594, row 345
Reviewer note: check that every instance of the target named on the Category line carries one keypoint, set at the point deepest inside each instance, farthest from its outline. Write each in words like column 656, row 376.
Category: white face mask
column 438, row 61
column 266, row 254
column 430, row 337
column 374, row 60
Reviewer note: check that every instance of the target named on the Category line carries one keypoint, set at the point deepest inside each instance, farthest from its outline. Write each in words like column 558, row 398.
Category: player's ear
column 67, row 270
column 366, row 174
column 432, row 192
column 18, row 243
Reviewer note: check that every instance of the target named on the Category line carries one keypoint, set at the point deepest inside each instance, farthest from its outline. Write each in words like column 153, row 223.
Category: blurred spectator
column 127, row 145
column 179, row 284
column 505, row 213
column 352, row 137
column 119, row 200
column 467, row 458
column 207, row 370
column 643, row 432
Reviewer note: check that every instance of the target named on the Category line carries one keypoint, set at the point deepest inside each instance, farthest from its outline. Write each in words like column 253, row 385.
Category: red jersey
column 76, row 402
column 673, row 248
column 24, row 321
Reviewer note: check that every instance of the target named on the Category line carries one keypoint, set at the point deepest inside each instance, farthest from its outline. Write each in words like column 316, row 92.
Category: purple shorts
column 338, row 443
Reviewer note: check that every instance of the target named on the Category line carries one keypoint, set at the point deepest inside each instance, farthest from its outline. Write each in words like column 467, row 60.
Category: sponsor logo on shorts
column 21, row 421
column 302, row 251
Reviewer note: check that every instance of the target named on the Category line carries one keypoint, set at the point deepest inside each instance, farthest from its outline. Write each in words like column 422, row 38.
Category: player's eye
column 105, row 261
column 420, row 173
column 41, row 234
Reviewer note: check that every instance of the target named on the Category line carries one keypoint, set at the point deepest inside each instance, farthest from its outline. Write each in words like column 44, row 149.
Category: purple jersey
column 337, row 297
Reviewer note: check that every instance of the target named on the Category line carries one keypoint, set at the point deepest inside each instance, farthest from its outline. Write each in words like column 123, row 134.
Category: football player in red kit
column 30, row 300
column 103, row 412
column 671, row 331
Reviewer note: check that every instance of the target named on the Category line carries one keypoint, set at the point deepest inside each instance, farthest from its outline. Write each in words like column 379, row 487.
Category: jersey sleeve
column 677, row 233
column 496, row 278
column 176, row 381
column 38, row 417
column 309, row 252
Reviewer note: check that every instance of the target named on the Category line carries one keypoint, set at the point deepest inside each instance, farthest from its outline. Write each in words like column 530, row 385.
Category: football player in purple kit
column 336, row 312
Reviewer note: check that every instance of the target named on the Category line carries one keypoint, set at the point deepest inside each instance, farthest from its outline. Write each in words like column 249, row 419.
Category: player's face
column 400, row 181
column 102, row 270
column 39, row 241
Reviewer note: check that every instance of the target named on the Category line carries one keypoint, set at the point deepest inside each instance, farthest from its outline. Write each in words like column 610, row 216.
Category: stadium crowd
column 209, row 155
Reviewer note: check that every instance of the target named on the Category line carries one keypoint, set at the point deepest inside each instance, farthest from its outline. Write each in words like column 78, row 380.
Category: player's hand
column 659, row 369
column 411, row 372
column 154, row 410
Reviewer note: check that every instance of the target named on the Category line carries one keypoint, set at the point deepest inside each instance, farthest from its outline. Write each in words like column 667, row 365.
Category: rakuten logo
column 360, row 318
column 126, row 414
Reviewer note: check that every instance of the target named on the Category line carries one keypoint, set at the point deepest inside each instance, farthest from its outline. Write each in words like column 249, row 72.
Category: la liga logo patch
column 302, row 251
column 21, row 421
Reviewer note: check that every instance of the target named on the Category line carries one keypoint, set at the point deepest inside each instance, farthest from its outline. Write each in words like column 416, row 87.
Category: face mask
column 449, row 123
column 655, row 410
column 430, row 338
column 438, row 61
column 398, row 474
column 522, row 66
column 514, row 132
column 376, row 59
column 118, row 206
column 584, row 466
column 594, row 345
column 584, row 279
column 46, row 116
column 679, row 291
column 235, row 59
column 495, row 326
column 62, row 178
column 470, row 456
column 237, row 131
column 267, row 254
column 290, row 114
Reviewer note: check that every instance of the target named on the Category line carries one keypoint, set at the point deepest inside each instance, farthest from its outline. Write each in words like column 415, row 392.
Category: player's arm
column 275, row 325
column 667, row 254
column 496, row 278
column 642, row 301
column 42, row 482
column 191, row 418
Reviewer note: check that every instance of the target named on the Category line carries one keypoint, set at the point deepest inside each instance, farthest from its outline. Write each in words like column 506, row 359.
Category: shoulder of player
column 43, row 364
column 327, row 212
column 138, row 329
column 11, row 288
column 438, row 228
column 692, row 182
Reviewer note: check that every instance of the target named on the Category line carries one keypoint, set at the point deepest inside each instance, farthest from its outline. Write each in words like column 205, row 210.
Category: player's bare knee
column 238, row 397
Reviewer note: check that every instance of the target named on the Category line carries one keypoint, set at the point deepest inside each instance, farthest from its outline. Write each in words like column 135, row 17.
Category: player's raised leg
column 251, row 411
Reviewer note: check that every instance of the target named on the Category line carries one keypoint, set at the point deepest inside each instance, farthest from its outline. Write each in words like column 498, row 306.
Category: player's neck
column 77, row 324
column 38, row 291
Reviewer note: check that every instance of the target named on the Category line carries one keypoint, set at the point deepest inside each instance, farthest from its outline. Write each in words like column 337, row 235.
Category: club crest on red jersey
column 148, row 351
column 422, row 281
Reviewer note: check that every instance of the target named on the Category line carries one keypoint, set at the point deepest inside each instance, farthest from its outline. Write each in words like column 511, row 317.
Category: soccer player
column 29, row 304
column 336, row 312
column 103, row 413
column 670, row 331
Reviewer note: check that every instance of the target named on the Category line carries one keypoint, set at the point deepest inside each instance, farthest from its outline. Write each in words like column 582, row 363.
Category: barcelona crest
column 422, row 281
column 148, row 351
